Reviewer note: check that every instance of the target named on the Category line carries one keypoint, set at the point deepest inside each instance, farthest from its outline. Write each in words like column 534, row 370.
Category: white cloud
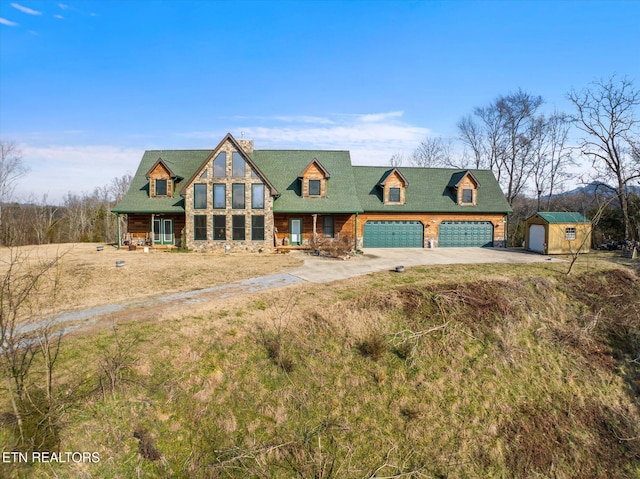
column 63, row 6
column 58, row 169
column 26, row 10
column 371, row 138
column 59, row 17
column 9, row 23
column 377, row 117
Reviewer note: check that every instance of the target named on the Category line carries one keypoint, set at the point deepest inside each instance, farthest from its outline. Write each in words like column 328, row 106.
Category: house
column 238, row 197
column 558, row 233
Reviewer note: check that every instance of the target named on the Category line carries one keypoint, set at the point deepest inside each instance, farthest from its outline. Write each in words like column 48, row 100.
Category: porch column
column 355, row 234
column 315, row 220
column 118, row 230
column 153, row 217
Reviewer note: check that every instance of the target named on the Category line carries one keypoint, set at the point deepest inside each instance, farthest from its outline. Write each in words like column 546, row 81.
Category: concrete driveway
column 322, row 270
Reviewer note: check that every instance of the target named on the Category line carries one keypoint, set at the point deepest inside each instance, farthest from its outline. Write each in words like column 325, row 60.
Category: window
column 219, row 196
column 394, row 195
column 219, row 227
column 257, row 228
column 237, row 196
column 220, row 165
column 199, row 227
column 314, row 187
column 238, row 167
column 327, row 226
column 161, row 187
column 257, row 196
column 200, row 196
column 467, row 195
column 203, row 176
column 238, row 227
column 570, row 233
column 254, row 173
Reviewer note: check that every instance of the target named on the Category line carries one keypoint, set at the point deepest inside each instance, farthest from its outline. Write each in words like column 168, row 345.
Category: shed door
column 536, row 238
column 465, row 234
column 393, row 234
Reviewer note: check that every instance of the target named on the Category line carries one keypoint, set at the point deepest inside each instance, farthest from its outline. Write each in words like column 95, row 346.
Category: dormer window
column 313, row 180
column 161, row 180
column 394, row 185
column 314, row 187
column 161, row 187
column 467, row 196
column 464, row 186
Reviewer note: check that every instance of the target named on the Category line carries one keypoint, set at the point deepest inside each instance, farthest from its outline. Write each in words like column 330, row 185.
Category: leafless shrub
column 26, row 288
column 116, row 362
column 276, row 339
column 340, row 247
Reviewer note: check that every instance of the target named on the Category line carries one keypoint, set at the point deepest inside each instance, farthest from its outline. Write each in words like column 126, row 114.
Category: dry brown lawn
column 88, row 277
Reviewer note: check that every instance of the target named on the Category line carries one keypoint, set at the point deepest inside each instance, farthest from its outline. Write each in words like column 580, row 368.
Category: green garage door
column 465, row 233
column 393, row 234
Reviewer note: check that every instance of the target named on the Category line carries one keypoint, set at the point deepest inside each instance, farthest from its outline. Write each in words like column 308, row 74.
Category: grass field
column 87, row 277
column 445, row 371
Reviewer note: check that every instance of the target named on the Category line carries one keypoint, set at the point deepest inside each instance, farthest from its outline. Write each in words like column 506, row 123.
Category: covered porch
column 156, row 230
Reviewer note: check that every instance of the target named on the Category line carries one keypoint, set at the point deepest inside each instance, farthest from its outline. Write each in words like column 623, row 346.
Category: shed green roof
column 429, row 190
column 183, row 163
column 283, row 166
column 562, row 217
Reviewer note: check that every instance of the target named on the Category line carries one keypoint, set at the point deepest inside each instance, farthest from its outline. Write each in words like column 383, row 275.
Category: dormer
column 161, row 180
column 393, row 184
column 465, row 188
column 314, row 180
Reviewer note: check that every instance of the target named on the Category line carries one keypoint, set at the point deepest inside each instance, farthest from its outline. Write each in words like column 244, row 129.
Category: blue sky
column 87, row 86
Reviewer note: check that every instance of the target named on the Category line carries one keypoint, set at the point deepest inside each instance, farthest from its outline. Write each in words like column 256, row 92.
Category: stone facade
column 205, row 176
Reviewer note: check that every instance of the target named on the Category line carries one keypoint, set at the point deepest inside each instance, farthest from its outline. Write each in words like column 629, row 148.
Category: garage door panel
column 457, row 234
column 393, row 234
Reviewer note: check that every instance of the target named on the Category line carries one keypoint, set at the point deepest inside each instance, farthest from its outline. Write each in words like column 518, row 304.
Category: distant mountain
column 596, row 187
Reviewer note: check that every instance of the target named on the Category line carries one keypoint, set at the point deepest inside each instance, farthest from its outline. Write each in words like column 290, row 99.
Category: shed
column 563, row 232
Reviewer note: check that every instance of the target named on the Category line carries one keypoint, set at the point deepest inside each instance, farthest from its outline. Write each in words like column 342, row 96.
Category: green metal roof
column 429, row 190
column 349, row 189
column 282, row 167
column 562, row 217
column 183, row 163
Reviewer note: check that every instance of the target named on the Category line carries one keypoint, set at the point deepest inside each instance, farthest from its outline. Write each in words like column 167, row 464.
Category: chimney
column 247, row 145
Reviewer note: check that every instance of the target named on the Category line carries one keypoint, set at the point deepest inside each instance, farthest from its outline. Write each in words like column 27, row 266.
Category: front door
column 295, row 231
column 162, row 231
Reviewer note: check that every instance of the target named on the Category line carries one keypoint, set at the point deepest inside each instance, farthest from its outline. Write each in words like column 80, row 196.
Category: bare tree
column 551, row 156
column 471, row 135
column 606, row 112
column 397, row 159
column 11, row 169
column 502, row 137
column 26, row 287
column 432, row 152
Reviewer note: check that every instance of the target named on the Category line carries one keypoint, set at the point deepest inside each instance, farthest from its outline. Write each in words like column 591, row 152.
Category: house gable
column 161, row 180
column 393, row 184
column 314, row 180
column 232, row 148
column 464, row 185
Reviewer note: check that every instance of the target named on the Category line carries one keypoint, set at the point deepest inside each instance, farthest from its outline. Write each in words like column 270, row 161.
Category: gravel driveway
column 323, row 270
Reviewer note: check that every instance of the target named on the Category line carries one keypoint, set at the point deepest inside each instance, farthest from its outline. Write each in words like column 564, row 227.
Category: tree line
column 531, row 153
column 80, row 218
